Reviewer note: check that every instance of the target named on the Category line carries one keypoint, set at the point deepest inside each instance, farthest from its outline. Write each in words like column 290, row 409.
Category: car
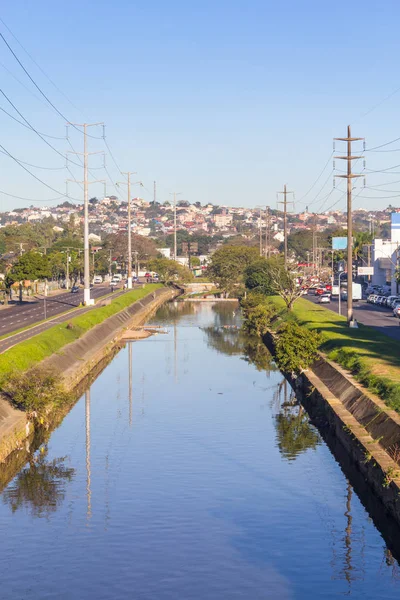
column 97, row 279
column 396, row 311
column 371, row 298
column 75, row 289
column 393, row 301
column 324, row 299
column 319, row 291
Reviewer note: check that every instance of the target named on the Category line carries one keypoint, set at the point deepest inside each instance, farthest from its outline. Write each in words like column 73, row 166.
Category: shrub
column 257, row 314
column 296, row 347
column 34, row 390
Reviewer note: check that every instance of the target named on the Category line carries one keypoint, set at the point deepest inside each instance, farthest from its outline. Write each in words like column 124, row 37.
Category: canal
column 188, row 470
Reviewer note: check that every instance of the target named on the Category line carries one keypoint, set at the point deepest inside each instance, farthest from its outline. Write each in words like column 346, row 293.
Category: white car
column 97, row 279
column 324, row 299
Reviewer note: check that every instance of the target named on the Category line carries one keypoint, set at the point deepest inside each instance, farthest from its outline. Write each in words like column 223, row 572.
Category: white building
column 386, row 255
column 166, row 252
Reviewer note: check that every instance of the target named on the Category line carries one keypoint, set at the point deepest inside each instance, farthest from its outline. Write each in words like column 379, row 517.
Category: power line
column 37, row 166
column 30, row 199
column 38, row 66
column 27, row 127
column 37, row 86
column 33, row 175
column 31, row 126
column 316, row 181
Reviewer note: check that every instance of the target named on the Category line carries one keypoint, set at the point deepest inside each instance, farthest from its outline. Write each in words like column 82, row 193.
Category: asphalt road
column 15, row 338
column 378, row 317
column 28, row 313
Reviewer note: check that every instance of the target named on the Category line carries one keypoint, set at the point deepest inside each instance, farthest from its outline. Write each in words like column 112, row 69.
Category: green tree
column 296, row 347
column 228, row 265
column 30, row 265
column 257, row 276
column 170, row 270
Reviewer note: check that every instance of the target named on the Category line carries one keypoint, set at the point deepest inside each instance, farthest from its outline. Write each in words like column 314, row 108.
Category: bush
column 34, row 390
column 258, row 313
column 296, row 347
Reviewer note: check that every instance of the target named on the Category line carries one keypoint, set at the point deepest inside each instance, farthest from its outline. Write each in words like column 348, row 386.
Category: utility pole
column 368, row 246
column 86, row 256
column 285, row 203
column 155, row 193
column 175, row 194
column 267, row 230
column 261, row 252
column 128, row 182
column 349, row 176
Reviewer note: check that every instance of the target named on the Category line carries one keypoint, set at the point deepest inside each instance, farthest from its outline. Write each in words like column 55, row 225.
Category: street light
column 340, row 294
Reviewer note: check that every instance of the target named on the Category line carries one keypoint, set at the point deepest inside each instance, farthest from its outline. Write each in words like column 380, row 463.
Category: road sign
column 339, row 243
column 365, row 271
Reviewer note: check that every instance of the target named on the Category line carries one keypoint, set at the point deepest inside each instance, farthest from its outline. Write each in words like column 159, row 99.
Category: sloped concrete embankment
column 80, row 360
column 76, row 360
column 364, row 425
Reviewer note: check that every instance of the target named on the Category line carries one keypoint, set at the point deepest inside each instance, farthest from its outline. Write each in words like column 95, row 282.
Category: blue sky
column 222, row 101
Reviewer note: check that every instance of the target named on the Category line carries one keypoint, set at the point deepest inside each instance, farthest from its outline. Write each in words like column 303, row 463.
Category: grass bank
column 372, row 357
column 28, row 353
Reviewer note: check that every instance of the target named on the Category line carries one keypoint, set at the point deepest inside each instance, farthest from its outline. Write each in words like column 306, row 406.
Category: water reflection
column 88, row 469
column 40, row 486
column 295, row 434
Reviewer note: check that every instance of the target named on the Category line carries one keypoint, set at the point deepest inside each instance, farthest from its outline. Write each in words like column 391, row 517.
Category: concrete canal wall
column 78, row 360
column 364, row 425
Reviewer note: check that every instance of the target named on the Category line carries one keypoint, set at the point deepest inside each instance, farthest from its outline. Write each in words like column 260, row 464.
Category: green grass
column 372, row 357
column 28, row 353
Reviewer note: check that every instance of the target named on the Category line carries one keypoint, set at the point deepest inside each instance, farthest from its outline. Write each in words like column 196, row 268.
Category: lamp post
column 340, row 295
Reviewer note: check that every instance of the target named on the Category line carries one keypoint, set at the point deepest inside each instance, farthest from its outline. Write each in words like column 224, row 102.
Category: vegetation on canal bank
column 296, row 347
column 27, row 354
column 372, row 357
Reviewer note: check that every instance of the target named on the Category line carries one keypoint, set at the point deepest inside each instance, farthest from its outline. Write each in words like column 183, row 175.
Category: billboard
column 365, row 271
column 339, row 243
column 395, row 233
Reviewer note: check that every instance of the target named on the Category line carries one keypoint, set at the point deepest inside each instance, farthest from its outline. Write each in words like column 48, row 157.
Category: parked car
column 75, row 289
column 97, row 279
column 396, row 310
column 391, row 300
column 371, row 298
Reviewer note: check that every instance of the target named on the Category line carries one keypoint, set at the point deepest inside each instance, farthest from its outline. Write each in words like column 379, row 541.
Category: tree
column 170, row 270
column 229, row 263
column 296, row 348
column 283, row 282
column 301, row 242
column 257, row 276
column 30, row 265
column 361, row 239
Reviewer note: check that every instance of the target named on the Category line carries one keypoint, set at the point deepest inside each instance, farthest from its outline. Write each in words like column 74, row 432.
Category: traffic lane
column 26, row 334
column 372, row 315
column 27, row 314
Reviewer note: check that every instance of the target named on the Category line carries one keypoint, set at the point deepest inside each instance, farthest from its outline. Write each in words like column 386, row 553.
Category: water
column 202, row 480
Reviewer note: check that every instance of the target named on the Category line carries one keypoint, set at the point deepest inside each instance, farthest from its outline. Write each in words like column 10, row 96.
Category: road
column 26, row 334
column 378, row 317
column 28, row 313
